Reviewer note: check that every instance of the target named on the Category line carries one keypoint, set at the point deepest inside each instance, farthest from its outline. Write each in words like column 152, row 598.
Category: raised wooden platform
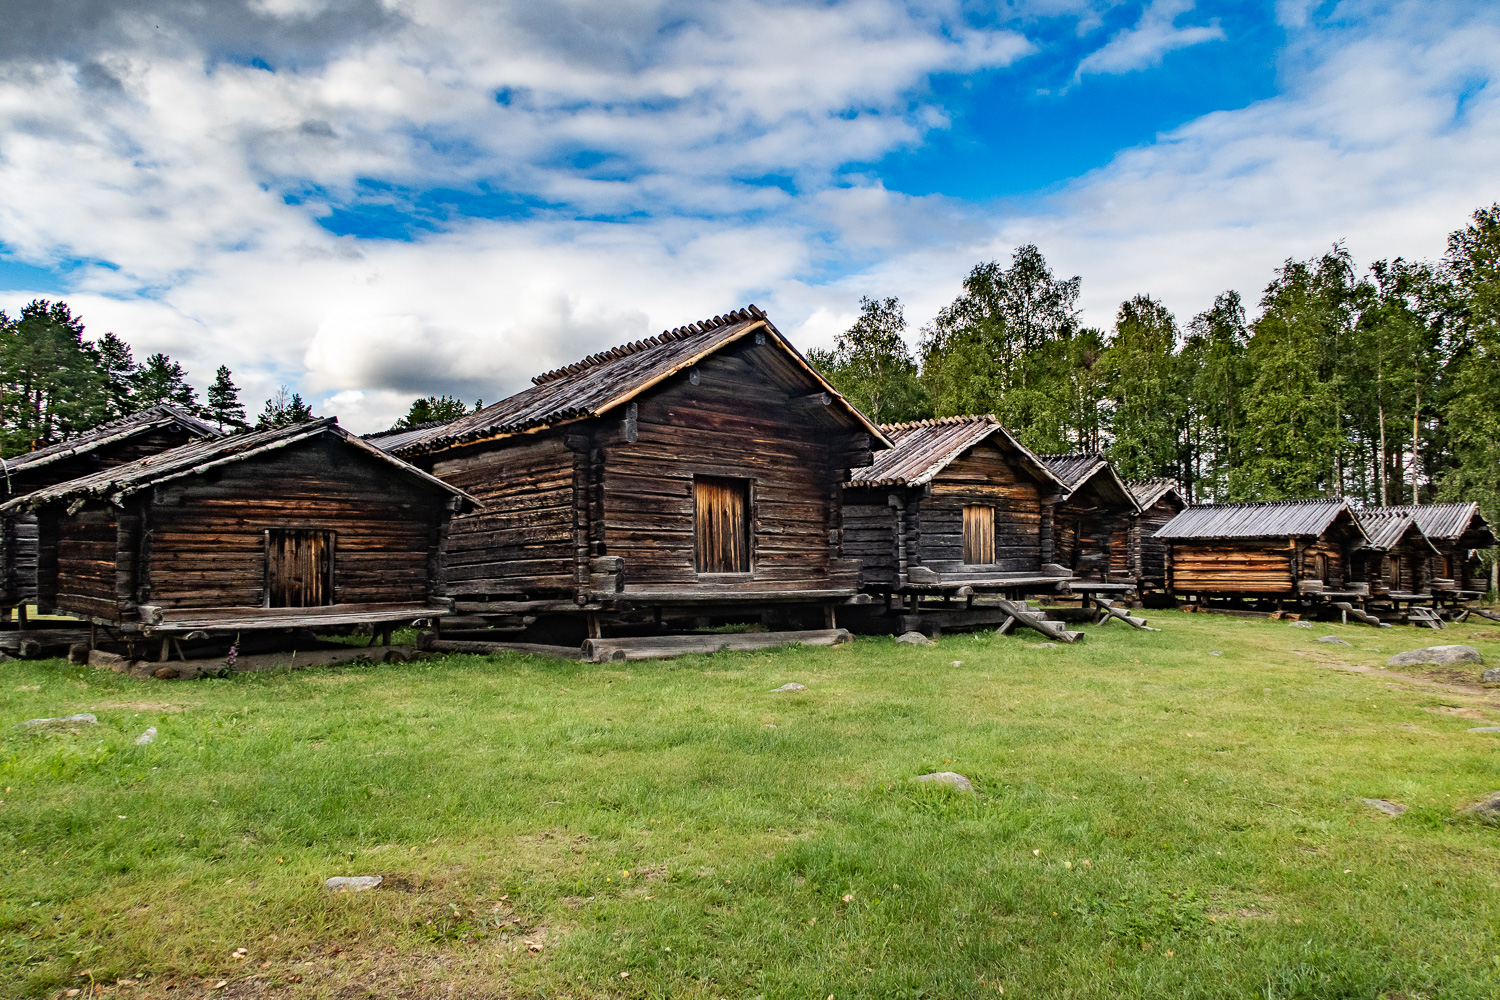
column 156, row 620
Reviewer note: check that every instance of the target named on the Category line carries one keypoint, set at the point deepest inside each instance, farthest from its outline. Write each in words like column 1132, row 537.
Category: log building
column 149, row 432
column 696, row 468
column 1092, row 525
column 302, row 526
column 1285, row 549
column 1457, row 531
column 1397, row 561
column 1158, row 502
column 955, row 502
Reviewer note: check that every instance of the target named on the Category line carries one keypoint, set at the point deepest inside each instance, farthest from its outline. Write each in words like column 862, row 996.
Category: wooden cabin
column 301, row 526
column 1397, row 561
column 1092, row 525
column 1457, row 531
column 1158, row 502
column 1285, row 549
column 955, row 502
column 700, row 467
column 149, row 432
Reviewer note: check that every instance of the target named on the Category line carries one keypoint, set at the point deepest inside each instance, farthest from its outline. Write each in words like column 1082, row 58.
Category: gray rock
column 1486, row 809
column 914, row 639
column 108, row 661
column 149, row 736
column 1491, row 676
column 82, row 718
column 1334, row 639
column 1485, row 729
column 950, row 778
column 1300, row 625
column 1440, row 656
column 1386, row 806
column 352, row 883
column 1215, row 652
column 794, row 686
column 1043, row 645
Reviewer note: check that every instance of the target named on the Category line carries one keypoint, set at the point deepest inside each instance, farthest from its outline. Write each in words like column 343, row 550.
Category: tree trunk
column 1385, row 493
column 1416, row 414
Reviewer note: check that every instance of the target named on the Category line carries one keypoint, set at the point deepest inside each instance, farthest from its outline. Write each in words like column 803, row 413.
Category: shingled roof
column 1276, row 519
column 1386, row 526
column 1148, row 492
column 1077, row 468
column 199, row 457
column 922, row 449
column 398, row 437
column 153, row 418
column 600, row 382
column 1445, row 521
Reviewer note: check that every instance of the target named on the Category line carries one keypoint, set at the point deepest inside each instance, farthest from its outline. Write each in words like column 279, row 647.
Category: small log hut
column 1159, row 500
column 302, row 527
column 1397, row 560
column 148, row 432
column 1457, row 531
column 1294, row 549
column 956, row 502
column 1092, row 524
column 698, row 469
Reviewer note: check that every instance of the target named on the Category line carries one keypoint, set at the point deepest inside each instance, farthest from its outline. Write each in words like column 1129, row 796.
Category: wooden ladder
column 1022, row 613
column 1425, row 616
column 1107, row 610
column 1347, row 611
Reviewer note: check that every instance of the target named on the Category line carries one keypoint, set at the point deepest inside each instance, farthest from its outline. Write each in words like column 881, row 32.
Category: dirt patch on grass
column 141, row 706
column 1462, row 711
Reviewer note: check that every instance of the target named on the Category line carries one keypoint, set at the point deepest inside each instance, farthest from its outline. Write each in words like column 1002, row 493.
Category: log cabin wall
column 1322, row 559
column 874, row 533
column 18, row 531
column 1256, row 566
column 1149, row 554
column 202, row 539
column 725, row 419
column 521, row 544
column 81, row 575
column 985, row 476
column 1087, row 527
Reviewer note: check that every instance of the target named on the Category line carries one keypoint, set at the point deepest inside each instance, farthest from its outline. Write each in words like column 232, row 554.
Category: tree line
column 1381, row 386
column 55, row 383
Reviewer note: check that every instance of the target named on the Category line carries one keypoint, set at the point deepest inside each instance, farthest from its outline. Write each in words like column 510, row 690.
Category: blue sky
column 369, row 200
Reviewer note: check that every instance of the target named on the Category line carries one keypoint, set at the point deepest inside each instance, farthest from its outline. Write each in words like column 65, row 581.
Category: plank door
column 721, row 525
column 299, row 568
column 979, row 534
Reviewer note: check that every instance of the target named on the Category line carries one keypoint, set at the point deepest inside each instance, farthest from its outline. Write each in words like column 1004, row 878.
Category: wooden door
column 979, row 534
column 721, row 524
column 299, row 568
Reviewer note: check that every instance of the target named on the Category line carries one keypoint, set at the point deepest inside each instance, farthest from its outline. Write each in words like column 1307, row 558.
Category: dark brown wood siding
column 521, row 543
column 205, row 535
column 85, row 568
column 1232, row 567
column 1148, row 553
column 733, row 423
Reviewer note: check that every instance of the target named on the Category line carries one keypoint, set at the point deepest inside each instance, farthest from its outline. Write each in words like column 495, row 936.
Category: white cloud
column 1153, row 36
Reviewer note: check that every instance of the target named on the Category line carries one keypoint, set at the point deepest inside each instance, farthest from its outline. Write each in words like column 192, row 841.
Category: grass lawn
column 1151, row 821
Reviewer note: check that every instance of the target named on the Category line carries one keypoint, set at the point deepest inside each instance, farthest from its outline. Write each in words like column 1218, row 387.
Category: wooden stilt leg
column 830, row 618
column 595, row 631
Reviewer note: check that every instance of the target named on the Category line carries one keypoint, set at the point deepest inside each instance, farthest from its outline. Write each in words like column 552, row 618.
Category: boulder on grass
column 1386, row 806
column 81, row 719
column 1333, row 639
column 1486, row 809
column 950, row 778
column 1437, row 656
column 914, row 639
column 1491, row 676
column 352, row 883
column 793, row 686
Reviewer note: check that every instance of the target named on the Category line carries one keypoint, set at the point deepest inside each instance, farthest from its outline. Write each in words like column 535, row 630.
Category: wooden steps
column 1107, row 610
column 1021, row 613
column 1347, row 611
column 1425, row 616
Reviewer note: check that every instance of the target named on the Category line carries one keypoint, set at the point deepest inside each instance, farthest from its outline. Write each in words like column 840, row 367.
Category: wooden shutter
column 299, row 568
column 979, row 534
column 722, row 524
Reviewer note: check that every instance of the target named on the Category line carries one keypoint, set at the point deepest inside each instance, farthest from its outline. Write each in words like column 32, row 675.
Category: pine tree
column 872, row 366
column 224, row 407
column 283, row 409
column 50, row 382
column 432, row 409
column 118, row 369
column 162, row 380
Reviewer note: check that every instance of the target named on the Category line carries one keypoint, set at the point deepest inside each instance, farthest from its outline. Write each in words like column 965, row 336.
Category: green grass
column 1151, row 821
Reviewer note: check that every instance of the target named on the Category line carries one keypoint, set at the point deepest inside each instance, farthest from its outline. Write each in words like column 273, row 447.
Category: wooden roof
column 922, row 449
column 1277, row 519
column 1077, row 469
column 1387, row 526
column 1149, row 492
column 398, row 437
column 603, row 381
column 200, row 457
column 153, row 418
column 1446, row 521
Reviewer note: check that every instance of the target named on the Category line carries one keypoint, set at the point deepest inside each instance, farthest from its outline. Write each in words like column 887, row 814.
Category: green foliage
column 50, row 383
column 431, row 409
column 1010, row 345
column 283, row 409
column 224, row 407
column 1216, row 383
column 118, row 369
column 1144, row 389
column 1471, row 413
column 872, row 366
column 161, row 380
